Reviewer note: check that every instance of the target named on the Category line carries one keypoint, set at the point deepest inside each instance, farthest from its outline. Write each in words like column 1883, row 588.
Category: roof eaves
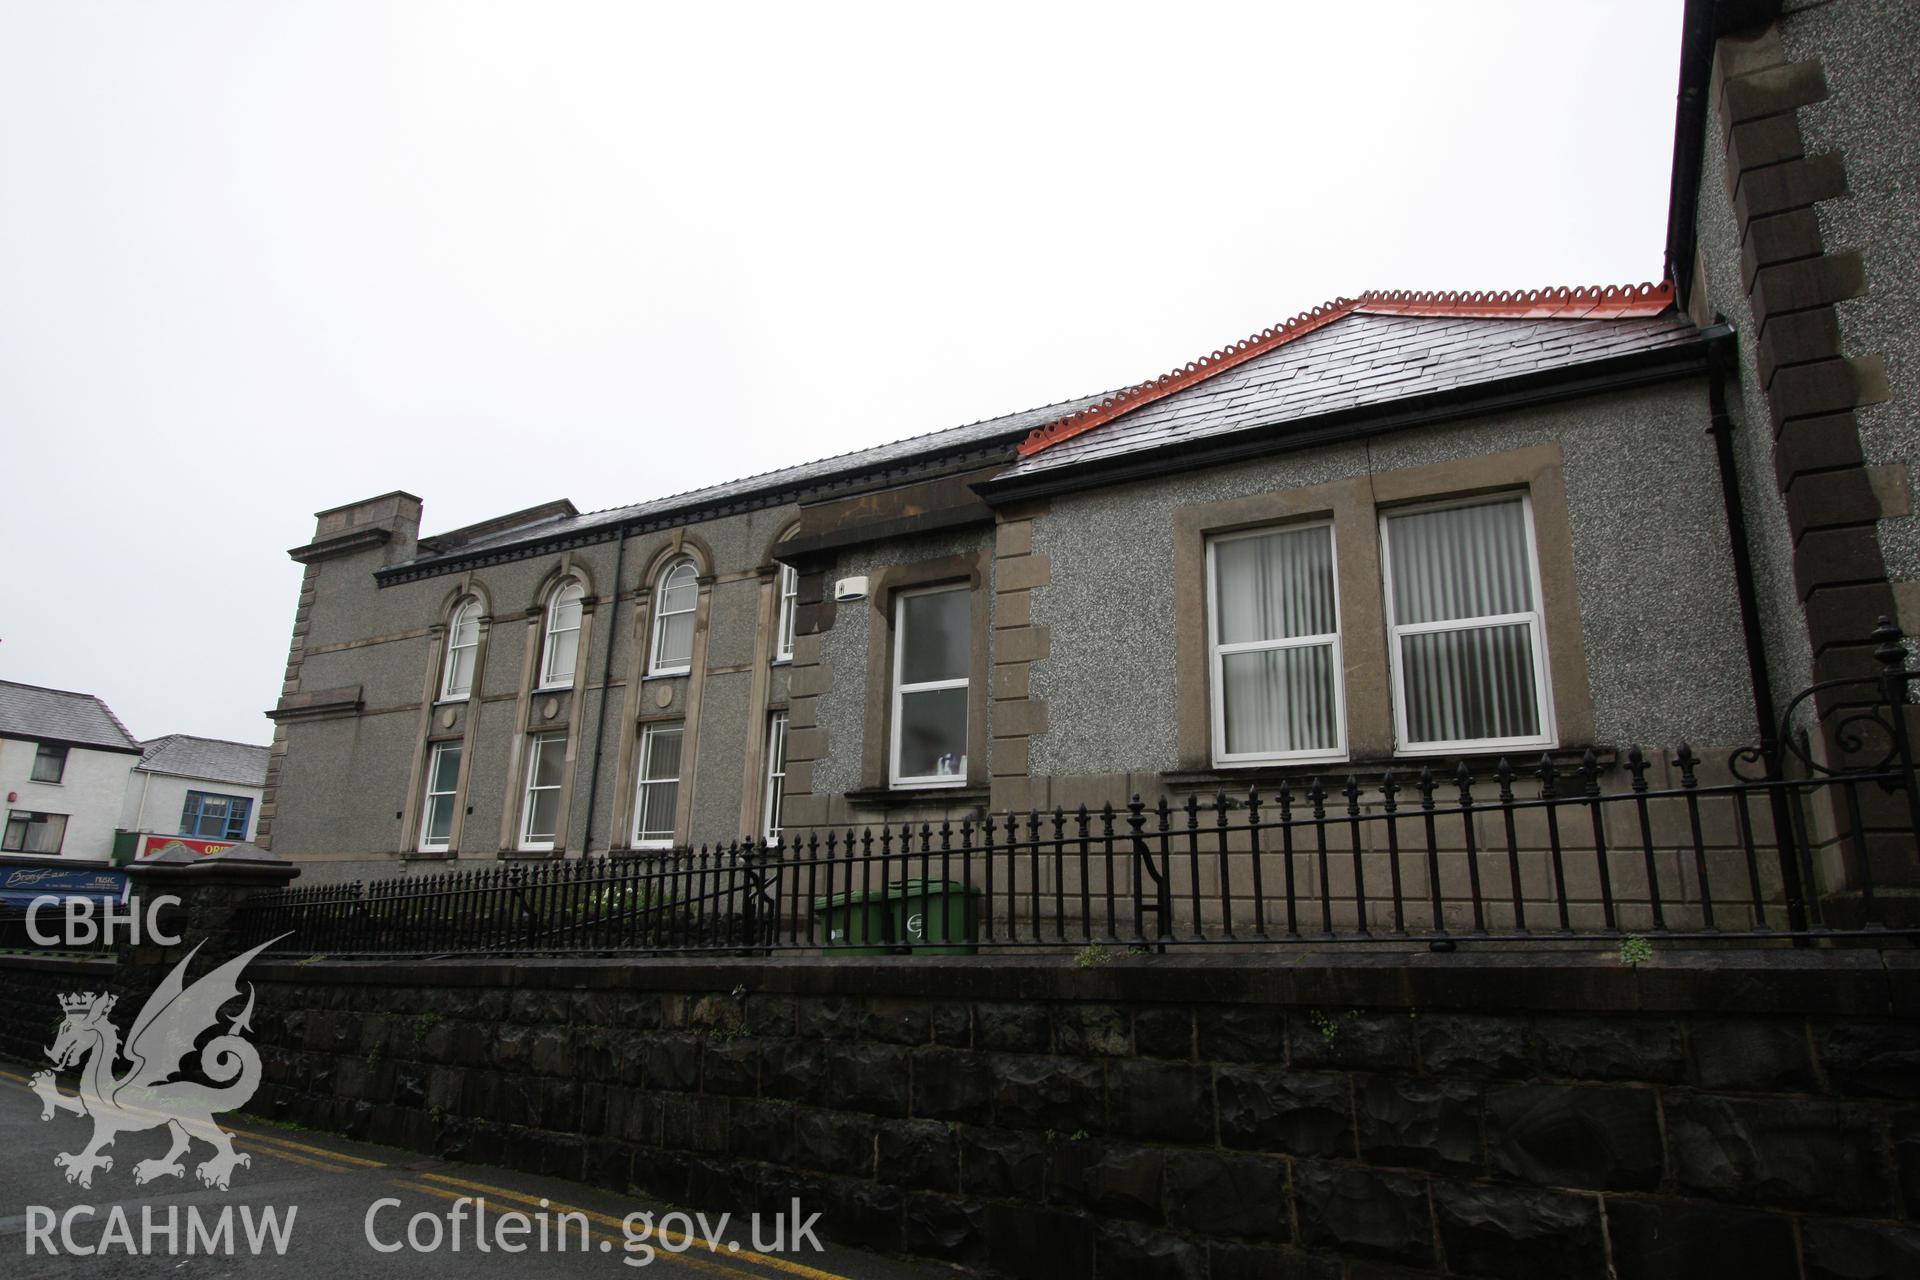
column 1526, row 390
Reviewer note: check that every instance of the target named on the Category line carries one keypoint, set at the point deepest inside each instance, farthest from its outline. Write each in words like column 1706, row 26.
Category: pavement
column 345, row 1210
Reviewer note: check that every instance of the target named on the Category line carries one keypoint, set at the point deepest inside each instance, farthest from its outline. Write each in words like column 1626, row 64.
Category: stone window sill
column 1369, row 768
column 894, row 797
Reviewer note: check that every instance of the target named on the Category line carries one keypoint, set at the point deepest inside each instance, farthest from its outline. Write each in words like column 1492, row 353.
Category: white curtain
column 1272, row 588
column 1276, row 586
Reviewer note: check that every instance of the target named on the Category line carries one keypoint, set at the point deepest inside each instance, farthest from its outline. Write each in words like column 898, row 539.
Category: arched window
column 463, row 646
column 562, row 649
column 673, row 604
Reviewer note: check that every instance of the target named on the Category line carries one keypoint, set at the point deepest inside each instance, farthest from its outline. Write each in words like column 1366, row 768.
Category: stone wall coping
column 93, row 967
column 1826, row 982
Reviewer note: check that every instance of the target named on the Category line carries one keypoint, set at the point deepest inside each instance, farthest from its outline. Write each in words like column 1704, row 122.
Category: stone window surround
column 426, row 733
column 762, row 700
column 876, row 737
column 642, row 705
column 529, row 718
column 1354, row 505
column 549, row 597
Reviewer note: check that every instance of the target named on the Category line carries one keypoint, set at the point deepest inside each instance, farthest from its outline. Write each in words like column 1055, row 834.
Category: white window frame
column 789, row 591
column 426, row 843
column 537, row 745
column 894, row 776
column 643, row 781
column 448, row 662
column 654, row 666
column 561, row 595
column 776, row 781
column 1535, row 621
column 1218, row 652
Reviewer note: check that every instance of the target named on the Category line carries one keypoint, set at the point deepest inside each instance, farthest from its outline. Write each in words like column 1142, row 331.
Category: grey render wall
column 344, row 779
column 844, row 706
column 1872, row 113
column 1651, row 557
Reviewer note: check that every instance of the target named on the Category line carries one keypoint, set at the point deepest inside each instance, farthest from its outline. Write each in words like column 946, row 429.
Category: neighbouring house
column 64, row 762
column 201, row 793
column 78, row 786
column 1398, row 529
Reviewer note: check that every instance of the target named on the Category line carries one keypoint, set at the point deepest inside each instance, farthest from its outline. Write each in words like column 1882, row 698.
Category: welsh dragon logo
column 149, row 1094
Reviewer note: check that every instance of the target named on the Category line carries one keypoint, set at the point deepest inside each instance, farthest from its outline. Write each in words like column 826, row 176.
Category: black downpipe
column 1765, row 712
column 606, row 675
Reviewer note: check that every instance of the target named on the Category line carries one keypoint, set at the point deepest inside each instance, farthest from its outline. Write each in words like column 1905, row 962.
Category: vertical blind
column 1276, row 643
column 1465, row 624
column 659, row 784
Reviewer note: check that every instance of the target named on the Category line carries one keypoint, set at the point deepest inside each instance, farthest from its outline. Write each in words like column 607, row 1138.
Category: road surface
column 320, row 1190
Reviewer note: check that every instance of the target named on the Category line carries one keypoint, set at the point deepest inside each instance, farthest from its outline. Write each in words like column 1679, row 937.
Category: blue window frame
column 213, row 817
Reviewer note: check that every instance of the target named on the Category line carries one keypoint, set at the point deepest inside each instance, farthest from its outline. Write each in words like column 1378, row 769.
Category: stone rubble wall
column 1487, row 1114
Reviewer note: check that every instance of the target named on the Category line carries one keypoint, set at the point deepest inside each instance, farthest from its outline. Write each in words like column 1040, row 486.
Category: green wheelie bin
column 930, row 917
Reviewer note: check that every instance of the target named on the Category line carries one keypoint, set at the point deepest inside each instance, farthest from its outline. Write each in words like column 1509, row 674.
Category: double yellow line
column 681, row 1248
column 278, row 1148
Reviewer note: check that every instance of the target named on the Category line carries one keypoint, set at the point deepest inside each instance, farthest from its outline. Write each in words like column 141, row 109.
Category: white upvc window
column 1466, row 637
column 546, row 776
column 1273, row 640
column 674, row 600
column 463, row 645
column 776, row 776
column 932, row 659
column 443, row 786
column 560, row 654
column 659, row 786
column 789, row 587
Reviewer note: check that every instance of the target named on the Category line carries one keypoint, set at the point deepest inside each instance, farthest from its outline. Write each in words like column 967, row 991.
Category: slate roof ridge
column 1586, row 302
column 832, row 457
column 201, row 737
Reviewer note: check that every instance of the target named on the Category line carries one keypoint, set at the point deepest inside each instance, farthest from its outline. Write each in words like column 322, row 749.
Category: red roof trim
column 1610, row 302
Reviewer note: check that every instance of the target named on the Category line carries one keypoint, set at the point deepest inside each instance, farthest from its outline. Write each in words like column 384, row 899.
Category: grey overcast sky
column 258, row 258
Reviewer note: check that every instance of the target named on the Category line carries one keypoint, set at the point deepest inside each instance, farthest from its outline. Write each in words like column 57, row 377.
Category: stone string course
column 1502, row 1116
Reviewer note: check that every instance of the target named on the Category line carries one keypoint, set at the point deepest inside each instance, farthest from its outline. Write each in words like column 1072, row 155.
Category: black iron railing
column 1772, row 843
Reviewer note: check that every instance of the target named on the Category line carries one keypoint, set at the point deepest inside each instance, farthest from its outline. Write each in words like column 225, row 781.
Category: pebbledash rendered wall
column 344, row 775
column 1806, row 242
column 1525, row 1115
column 1085, row 667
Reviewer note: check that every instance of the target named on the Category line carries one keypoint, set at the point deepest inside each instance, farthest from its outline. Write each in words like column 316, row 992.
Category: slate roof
column 57, row 715
column 213, row 759
column 1351, row 354
column 1006, row 430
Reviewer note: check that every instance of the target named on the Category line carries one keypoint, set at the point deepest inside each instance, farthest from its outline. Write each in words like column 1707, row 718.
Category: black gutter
column 1525, row 392
column 606, row 675
column 1704, row 22
column 1689, row 135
